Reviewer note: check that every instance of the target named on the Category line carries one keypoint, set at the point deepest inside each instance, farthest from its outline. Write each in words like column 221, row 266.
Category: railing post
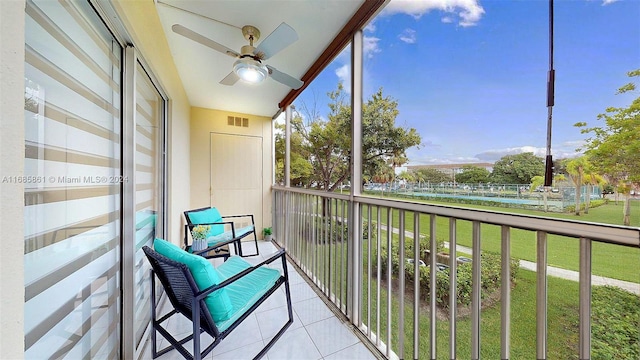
column 541, row 296
column 369, row 272
column 416, row 285
column 505, row 295
column 389, row 277
column 401, row 281
column 355, row 248
column 433, row 279
column 287, row 145
column 378, row 274
column 287, row 181
column 476, row 300
column 453, row 288
column 585, row 299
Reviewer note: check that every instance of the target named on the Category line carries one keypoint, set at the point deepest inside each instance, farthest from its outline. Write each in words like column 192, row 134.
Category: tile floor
column 316, row 333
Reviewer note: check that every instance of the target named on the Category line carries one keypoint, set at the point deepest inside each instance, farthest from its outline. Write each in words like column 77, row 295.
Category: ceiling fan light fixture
column 250, row 70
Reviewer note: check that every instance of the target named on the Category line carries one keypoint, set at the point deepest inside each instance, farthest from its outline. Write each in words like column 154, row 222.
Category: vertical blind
column 72, row 180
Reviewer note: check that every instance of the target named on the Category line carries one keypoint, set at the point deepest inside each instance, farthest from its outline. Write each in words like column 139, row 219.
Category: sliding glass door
column 94, row 185
column 72, row 183
column 149, row 190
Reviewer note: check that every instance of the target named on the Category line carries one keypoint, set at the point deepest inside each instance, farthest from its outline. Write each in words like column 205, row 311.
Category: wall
column 207, row 121
column 12, row 26
column 143, row 24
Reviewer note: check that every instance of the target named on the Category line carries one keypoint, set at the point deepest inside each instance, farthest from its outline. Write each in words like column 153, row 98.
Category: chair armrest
column 211, row 223
column 220, row 244
column 237, row 216
column 189, row 227
column 280, row 254
column 233, row 228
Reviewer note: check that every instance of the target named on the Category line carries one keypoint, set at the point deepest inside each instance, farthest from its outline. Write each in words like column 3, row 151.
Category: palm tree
column 418, row 177
column 397, row 159
column 576, row 168
column 538, row 181
column 592, row 178
column 407, row 177
column 384, row 175
column 624, row 188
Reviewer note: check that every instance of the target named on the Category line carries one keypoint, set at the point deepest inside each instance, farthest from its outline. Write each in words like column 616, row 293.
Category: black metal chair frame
column 188, row 300
column 216, row 251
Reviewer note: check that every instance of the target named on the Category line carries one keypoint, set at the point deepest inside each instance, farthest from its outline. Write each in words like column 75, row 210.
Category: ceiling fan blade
column 283, row 78
column 190, row 34
column 280, row 38
column 230, row 79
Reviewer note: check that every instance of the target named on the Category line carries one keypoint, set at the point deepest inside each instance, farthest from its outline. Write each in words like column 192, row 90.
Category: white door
column 236, row 175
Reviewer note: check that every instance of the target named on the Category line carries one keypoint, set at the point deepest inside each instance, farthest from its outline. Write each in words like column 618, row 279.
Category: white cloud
column 371, row 26
column 425, row 155
column 370, row 46
column 495, row 154
column 429, row 160
column 468, row 12
column 562, row 151
column 408, row 36
column 344, row 76
column 447, row 19
column 607, row 2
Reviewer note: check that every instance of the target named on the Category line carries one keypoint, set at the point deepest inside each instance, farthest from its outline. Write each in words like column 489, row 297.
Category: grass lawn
column 562, row 324
column 618, row 262
column 329, row 263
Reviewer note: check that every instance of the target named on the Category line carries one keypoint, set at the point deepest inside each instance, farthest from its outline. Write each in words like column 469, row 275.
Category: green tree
column 517, row 169
column 301, row 169
column 472, row 174
column 431, row 175
column 383, row 141
column 614, row 147
column 328, row 142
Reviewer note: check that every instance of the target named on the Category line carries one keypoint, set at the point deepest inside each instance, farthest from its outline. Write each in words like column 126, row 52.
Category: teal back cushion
column 204, row 274
column 207, row 216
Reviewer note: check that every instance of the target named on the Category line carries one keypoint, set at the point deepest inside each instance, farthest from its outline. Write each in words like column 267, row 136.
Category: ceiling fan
column 249, row 66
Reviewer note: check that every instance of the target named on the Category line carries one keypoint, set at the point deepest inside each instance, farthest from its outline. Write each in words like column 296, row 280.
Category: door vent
column 237, row 121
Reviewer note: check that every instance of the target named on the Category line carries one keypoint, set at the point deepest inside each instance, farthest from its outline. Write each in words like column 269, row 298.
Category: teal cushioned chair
column 215, row 300
column 223, row 231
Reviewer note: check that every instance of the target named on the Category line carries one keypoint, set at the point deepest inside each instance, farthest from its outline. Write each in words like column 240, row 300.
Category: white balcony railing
column 323, row 235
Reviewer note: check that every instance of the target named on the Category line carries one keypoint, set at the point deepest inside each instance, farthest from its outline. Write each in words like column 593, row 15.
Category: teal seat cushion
column 227, row 235
column 244, row 230
column 208, row 216
column 205, row 275
column 246, row 291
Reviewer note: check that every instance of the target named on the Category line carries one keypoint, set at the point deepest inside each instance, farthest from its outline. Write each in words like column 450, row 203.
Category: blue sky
column 470, row 75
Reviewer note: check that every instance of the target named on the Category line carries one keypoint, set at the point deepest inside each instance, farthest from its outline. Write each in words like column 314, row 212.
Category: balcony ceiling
column 317, row 22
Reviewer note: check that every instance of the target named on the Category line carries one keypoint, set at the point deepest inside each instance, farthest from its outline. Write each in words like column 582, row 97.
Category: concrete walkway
column 557, row 272
column 569, row 274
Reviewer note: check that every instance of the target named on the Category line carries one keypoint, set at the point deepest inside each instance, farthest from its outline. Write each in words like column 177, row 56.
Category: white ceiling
column 317, row 22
